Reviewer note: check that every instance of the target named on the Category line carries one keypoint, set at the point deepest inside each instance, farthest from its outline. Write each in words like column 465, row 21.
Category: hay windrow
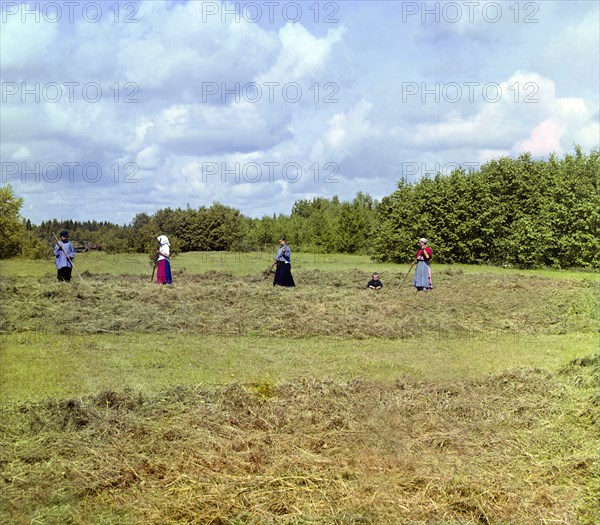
column 456, row 446
column 221, row 303
column 309, row 452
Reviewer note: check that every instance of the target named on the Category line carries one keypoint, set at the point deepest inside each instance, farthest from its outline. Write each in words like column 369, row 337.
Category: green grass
column 254, row 263
column 39, row 366
column 223, row 400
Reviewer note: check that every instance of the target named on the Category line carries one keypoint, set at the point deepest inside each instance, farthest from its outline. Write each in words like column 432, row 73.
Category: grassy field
column 223, row 400
column 253, row 263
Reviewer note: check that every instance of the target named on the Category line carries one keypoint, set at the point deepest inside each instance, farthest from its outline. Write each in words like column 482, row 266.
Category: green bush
column 521, row 212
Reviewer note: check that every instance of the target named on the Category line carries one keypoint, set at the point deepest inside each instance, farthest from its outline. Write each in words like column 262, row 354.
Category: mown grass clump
column 224, row 304
column 223, row 400
column 513, row 448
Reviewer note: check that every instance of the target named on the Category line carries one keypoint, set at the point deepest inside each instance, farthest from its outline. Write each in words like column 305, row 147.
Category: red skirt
column 163, row 273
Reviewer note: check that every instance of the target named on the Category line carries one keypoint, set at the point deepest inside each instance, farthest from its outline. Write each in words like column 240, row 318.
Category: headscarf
column 423, row 240
column 165, row 246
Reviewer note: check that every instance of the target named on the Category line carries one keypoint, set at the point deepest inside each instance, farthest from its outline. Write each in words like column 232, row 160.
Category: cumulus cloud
column 522, row 113
column 193, row 108
column 21, row 154
column 302, row 54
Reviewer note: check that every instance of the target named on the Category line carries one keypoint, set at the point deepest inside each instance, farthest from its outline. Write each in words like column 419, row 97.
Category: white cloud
column 21, row 154
column 543, row 139
column 149, row 158
column 346, row 129
column 352, row 124
column 302, row 54
column 528, row 116
column 25, row 45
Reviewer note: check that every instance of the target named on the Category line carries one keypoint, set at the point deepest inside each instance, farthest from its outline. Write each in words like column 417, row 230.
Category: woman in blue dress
column 422, row 280
column 283, row 270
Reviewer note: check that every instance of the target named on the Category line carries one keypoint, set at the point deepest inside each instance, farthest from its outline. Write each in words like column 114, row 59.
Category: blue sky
column 112, row 109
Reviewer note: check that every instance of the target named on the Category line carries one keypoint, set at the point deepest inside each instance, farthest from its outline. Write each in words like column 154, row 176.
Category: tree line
column 520, row 212
column 512, row 211
column 318, row 224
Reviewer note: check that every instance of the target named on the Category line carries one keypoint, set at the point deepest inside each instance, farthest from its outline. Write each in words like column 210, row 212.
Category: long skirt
column 163, row 272
column 422, row 280
column 283, row 275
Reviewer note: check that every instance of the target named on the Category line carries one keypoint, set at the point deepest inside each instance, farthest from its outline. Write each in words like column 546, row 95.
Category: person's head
column 422, row 242
column 163, row 239
column 64, row 235
column 375, row 276
column 282, row 241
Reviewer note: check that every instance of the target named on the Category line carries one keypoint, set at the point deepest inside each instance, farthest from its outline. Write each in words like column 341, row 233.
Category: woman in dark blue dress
column 283, row 271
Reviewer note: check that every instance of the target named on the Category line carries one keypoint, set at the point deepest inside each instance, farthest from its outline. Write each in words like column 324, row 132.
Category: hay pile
column 323, row 304
column 515, row 448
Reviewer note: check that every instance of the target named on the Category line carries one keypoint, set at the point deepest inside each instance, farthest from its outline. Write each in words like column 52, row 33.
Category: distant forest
column 512, row 211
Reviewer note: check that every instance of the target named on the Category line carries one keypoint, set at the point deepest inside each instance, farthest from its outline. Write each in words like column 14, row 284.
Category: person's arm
column 283, row 254
column 70, row 251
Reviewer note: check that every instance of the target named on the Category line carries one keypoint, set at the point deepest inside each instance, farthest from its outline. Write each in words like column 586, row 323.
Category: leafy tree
column 32, row 246
column 142, row 234
column 11, row 227
column 223, row 227
column 520, row 211
column 354, row 224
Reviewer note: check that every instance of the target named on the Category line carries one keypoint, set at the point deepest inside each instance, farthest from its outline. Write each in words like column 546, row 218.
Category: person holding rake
column 163, row 273
column 422, row 279
column 65, row 253
column 283, row 269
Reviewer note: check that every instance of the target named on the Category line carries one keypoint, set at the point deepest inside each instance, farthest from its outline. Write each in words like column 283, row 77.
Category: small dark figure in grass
column 283, row 270
column 163, row 272
column 422, row 280
column 375, row 283
column 64, row 265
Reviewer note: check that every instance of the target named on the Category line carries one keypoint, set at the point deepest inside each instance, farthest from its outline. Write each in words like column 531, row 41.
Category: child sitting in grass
column 375, row 283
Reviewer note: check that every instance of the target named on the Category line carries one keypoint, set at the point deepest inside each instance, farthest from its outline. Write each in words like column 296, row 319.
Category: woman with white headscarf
column 422, row 280
column 163, row 274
